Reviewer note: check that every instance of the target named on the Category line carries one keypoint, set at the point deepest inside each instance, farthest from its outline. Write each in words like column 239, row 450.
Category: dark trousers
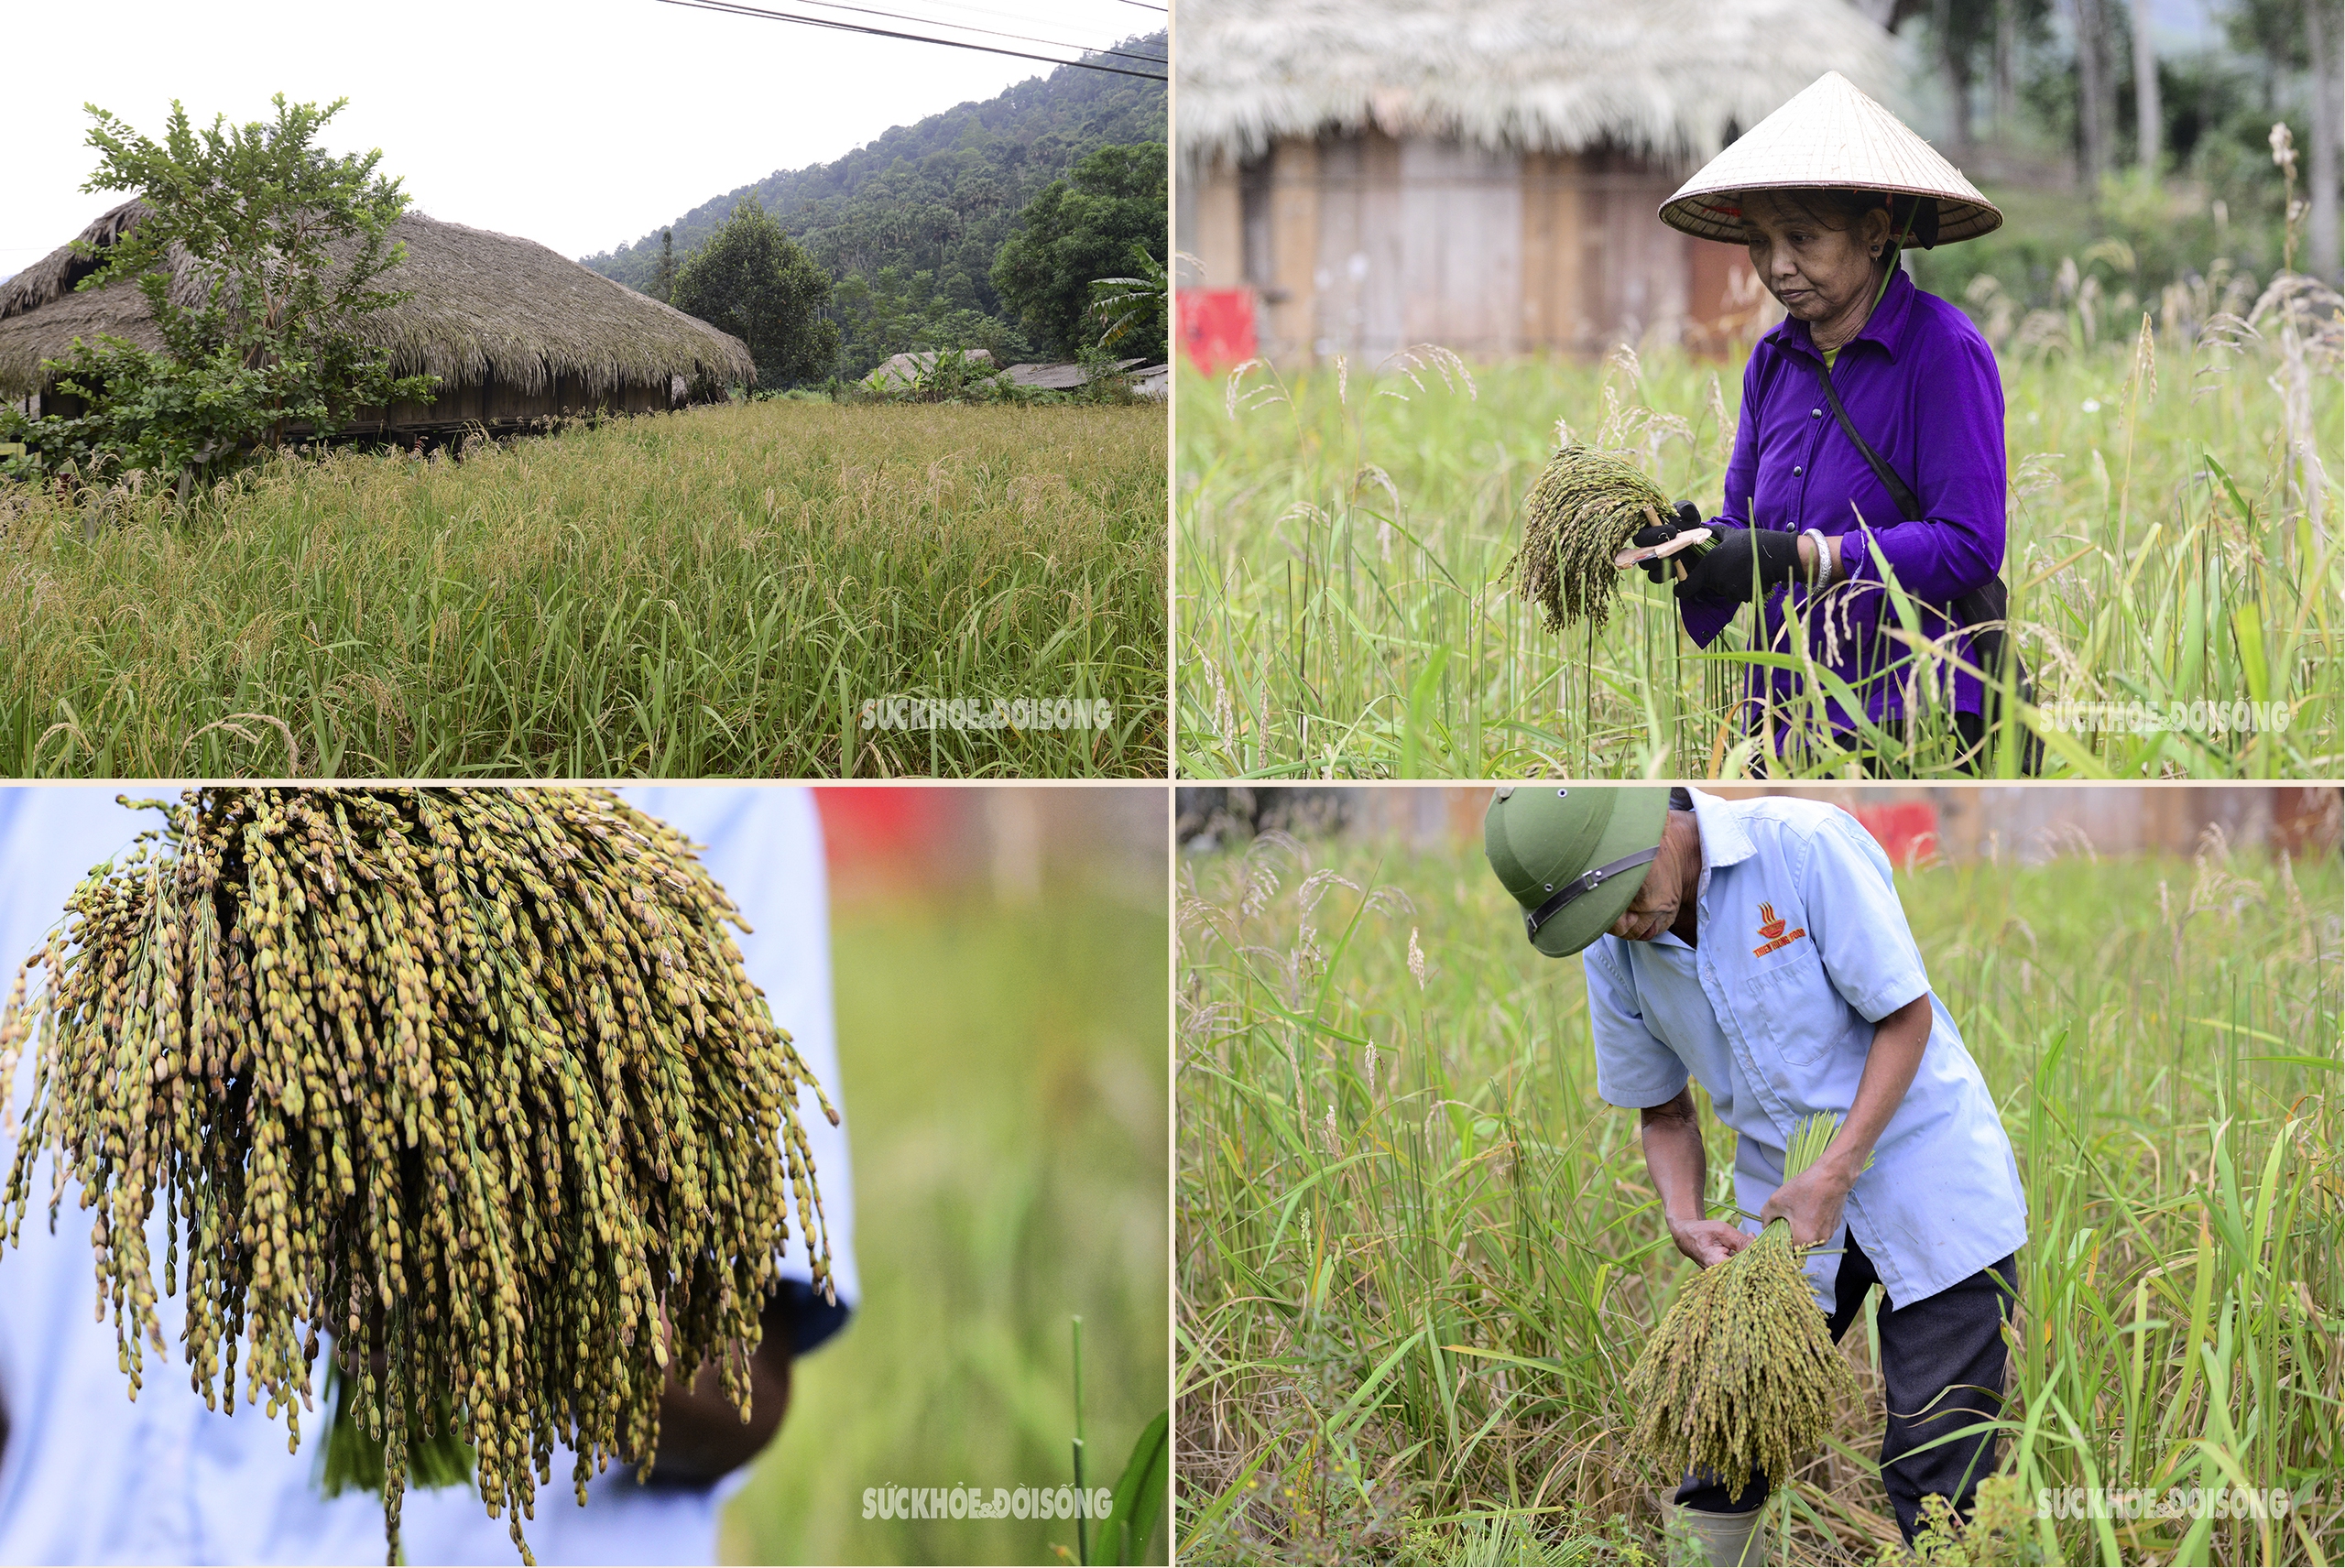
column 1942, row 1365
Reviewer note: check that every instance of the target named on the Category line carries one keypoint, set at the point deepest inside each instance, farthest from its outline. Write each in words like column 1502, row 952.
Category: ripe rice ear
column 473, row 1081
column 1580, row 512
column 1741, row 1377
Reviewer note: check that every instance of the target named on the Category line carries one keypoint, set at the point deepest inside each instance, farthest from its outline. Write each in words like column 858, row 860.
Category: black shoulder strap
column 1909, row 505
column 1983, row 610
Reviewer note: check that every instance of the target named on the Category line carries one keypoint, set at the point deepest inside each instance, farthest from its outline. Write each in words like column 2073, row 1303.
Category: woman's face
column 1815, row 264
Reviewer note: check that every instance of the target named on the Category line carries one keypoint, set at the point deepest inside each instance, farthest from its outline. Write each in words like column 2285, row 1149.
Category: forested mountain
column 911, row 222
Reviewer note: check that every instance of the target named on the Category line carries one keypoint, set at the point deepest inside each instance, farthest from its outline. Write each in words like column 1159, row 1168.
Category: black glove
column 1725, row 571
column 1689, row 515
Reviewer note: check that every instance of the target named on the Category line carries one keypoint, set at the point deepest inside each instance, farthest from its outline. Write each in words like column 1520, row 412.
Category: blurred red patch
column 1907, row 831
column 1216, row 326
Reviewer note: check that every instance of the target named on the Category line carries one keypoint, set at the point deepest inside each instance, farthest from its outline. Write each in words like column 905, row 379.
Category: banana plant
column 1130, row 305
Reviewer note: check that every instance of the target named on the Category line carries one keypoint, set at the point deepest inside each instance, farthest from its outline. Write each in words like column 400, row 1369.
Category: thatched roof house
column 515, row 331
column 1481, row 174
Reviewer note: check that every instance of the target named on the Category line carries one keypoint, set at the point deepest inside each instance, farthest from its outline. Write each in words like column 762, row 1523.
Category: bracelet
column 1821, row 574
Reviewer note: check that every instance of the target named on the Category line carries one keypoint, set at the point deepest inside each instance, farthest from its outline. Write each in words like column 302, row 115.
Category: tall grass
column 1341, row 539
column 711, row 592
column 1417, row 1256
column 1008, row 1114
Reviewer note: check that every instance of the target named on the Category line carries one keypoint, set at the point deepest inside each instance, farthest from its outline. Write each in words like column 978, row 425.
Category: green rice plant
column 1416, row 1254
column 714, row 592
column 1343, row 610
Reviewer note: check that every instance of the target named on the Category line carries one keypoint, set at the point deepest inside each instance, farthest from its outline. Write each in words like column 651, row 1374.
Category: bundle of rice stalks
column 472, row 1080
column 1742, row 1375
column 1581, row 512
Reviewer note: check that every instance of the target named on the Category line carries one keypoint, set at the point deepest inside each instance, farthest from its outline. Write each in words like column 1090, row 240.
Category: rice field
column 1342, row 535
column 1009, row 1146
column 714, row 592
column 1416, row 1256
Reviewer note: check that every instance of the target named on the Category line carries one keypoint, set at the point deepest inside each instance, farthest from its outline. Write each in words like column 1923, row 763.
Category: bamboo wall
column 1366, row 243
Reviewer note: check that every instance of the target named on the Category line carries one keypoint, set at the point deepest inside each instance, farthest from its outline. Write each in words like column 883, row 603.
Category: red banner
column 1216, row 326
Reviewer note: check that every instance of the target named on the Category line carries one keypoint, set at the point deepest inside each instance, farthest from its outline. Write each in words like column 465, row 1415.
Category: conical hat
column 1829, row 136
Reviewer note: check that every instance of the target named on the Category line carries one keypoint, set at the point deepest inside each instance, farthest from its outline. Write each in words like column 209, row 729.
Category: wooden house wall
column 1207, row 225
column 1363, row 244
column 499, row 405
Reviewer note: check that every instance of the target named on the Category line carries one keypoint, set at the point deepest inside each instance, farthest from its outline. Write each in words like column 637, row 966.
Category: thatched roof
column 1667, row 79
column 486, row 305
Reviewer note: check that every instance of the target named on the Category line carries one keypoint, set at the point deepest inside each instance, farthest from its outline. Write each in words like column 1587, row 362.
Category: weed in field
column 1416, row 1255
column 1342, row 607
column 713, row 593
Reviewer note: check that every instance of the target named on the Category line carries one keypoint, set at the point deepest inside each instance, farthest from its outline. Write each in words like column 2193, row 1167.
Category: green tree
column 928, row 205
column 663, row 281
column 272, row 248
column 1079, row 230
column 755, row 282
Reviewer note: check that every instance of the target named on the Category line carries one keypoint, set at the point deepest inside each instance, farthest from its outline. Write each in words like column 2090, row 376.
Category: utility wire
column 733, row 8
column 989, row 32
column 725, row 7
column 994, row 12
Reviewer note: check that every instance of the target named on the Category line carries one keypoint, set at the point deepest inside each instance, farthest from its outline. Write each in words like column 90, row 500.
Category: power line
column 1007, row 15
column 969, row 27
column 727, row 9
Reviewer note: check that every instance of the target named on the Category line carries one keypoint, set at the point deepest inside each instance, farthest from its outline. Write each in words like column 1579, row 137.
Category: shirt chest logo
column 1770, row 927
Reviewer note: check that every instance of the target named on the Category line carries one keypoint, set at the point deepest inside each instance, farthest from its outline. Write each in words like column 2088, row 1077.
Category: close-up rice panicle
column 474, row 1081
column 1580, row 512
column 1740, row 1377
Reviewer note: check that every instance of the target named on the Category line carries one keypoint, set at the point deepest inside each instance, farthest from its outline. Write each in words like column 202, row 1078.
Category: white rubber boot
column 1700, row 1539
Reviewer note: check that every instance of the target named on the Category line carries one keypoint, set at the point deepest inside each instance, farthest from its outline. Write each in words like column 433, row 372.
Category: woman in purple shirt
column 1823, row 192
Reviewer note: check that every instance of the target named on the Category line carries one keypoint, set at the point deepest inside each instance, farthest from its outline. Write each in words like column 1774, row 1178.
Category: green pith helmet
column 1572, row 855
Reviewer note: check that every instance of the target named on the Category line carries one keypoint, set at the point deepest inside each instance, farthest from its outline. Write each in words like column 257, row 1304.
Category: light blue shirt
column 1804, row 948
column 90, row 1475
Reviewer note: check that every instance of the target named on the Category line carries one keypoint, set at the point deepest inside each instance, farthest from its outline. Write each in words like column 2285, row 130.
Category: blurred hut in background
column 515, row 332
column 1913, row 823
column 1014, row 842
column 1358, row 175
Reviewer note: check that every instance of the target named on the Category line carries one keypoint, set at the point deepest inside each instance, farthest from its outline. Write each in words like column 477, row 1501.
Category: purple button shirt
column 1921, row 384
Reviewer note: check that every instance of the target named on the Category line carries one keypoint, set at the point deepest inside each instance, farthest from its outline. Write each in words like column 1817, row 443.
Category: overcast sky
column 582, row 125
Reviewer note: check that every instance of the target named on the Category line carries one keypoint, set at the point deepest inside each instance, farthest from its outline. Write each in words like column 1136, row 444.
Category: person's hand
column 702, row 1437
column 1707, row 1241
column 1812, row 1201
column 1725, row 571
column 1687, row 515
